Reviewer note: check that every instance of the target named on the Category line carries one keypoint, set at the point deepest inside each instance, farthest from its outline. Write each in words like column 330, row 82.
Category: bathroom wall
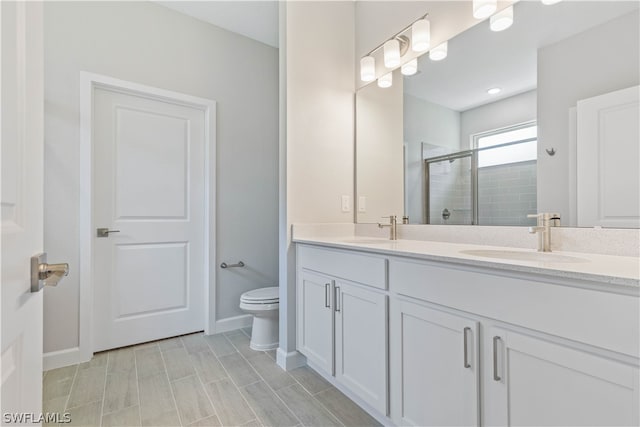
column 379, row 151
column 429, row 130
column 149, row 44
column 317, row 144
column 597, row 61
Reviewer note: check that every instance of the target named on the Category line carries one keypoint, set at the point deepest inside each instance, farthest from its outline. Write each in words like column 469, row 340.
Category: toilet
column 263, row 304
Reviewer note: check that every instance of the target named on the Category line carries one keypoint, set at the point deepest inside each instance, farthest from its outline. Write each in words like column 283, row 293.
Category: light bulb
column 420, row 35
column 368, row 69
column 550, row 2
column 386, row 80
column 439, row 52
column 410, row 68
column 501, row 20
column 392, row 53
column 484, row 8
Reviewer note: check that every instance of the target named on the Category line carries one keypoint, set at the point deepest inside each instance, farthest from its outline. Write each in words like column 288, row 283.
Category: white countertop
column 603, row 269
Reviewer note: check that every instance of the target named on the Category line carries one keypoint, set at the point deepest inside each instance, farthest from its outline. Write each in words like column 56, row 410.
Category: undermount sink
column 523, row 256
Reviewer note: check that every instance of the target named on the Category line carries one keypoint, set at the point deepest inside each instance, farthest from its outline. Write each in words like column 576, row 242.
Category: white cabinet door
column 315, row 319
column 361, row 343
column 435, row 372
column 531, row 381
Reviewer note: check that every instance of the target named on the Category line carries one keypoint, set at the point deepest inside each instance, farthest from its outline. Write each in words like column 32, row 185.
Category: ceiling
column 257, row 20
column 479, row 59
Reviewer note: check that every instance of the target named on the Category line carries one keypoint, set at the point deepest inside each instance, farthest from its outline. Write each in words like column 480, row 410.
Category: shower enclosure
column 491, row 185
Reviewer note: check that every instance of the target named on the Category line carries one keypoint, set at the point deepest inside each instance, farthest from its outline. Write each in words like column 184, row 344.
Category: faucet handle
column 537, row 215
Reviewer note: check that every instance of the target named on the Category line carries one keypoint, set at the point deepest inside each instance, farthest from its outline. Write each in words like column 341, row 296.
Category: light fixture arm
column 404, row 40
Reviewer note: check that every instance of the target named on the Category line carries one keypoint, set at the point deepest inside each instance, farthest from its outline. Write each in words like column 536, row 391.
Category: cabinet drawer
column 367, row 269
column 601, row 319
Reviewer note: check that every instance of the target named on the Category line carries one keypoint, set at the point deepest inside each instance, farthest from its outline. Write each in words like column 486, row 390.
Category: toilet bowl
column 263, row 304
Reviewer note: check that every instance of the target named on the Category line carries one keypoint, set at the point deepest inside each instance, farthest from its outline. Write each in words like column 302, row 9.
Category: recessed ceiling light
column 494, row 91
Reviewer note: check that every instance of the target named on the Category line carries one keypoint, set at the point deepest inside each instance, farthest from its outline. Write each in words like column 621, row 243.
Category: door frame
column 88, row 83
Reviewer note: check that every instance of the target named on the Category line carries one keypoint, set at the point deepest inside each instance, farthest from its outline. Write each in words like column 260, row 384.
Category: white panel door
column 22, row 210
column 608, row 155
column 361, row 343
column 436, row 366
column 315, row 319
column 149, row 189
column 533, row 382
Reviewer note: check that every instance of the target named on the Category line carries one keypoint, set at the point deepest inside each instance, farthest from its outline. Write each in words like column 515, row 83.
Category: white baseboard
column 233, row 323
column 60, row 358
column 290, row 360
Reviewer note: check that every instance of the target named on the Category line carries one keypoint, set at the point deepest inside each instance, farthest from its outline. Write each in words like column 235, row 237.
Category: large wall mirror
column 540, row 117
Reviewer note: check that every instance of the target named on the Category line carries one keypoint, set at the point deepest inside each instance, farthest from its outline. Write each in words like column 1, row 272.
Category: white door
column 315, row 319
column 437, row 377
column 531, row 381
column 149, row 193
column 22, row 210
column 361, row 343
column 608, row 153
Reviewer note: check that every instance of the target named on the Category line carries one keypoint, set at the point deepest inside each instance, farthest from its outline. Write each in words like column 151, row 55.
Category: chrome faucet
column 393, row 233
column 542, row 228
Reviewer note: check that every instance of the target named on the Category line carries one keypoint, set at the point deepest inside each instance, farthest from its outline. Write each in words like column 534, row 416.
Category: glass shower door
column 449, row 190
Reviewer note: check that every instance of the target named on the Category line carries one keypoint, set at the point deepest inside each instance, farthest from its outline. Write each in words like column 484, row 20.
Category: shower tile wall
column 507, row 193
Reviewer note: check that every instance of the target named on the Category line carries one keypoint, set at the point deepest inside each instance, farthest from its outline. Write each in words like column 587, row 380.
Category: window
column 512, row 145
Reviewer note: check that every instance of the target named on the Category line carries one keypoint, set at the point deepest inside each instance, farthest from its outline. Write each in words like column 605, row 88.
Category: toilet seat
column 262, row 296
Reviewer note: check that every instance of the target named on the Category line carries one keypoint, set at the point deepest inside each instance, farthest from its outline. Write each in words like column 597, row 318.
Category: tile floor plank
column 275, row 376
column 195, row 343
column 155, row 398
column 231, row 407
column 220, row 345
column 207, row 366
column 123, row 418
column 313, row 382
column 344, row 409
column 308, row 409
column 239, row 369
column 191, row 399
column 269, row 408
column 88, row 386
column 177, row 363
column 121, row 391
column 148, row 362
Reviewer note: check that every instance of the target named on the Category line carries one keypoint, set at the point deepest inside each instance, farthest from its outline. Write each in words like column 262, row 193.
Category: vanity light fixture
column 484, row 8
column 410, row 68
column 395, row 48
column 439, row 52
column 501, row 20
column 386, row 80
column 368, row 69
column 420, row 35
column 550, row 2
column 391, row 53
column 494, row 91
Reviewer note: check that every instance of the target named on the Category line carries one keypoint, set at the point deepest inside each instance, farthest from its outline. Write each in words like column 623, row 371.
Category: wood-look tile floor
column 196, row 380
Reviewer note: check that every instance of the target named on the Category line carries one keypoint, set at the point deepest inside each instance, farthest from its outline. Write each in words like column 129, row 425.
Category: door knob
column 46, row 274
column 104, row 232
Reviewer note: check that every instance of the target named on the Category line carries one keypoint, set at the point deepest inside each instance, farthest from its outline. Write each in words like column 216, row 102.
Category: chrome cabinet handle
column 496, row 377
column 327, row 291
column 464, row 338
column 104, row 232
column 337, row 298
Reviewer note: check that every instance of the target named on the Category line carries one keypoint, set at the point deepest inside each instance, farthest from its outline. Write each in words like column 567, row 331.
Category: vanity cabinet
column 341, row 323
column 530, row 370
